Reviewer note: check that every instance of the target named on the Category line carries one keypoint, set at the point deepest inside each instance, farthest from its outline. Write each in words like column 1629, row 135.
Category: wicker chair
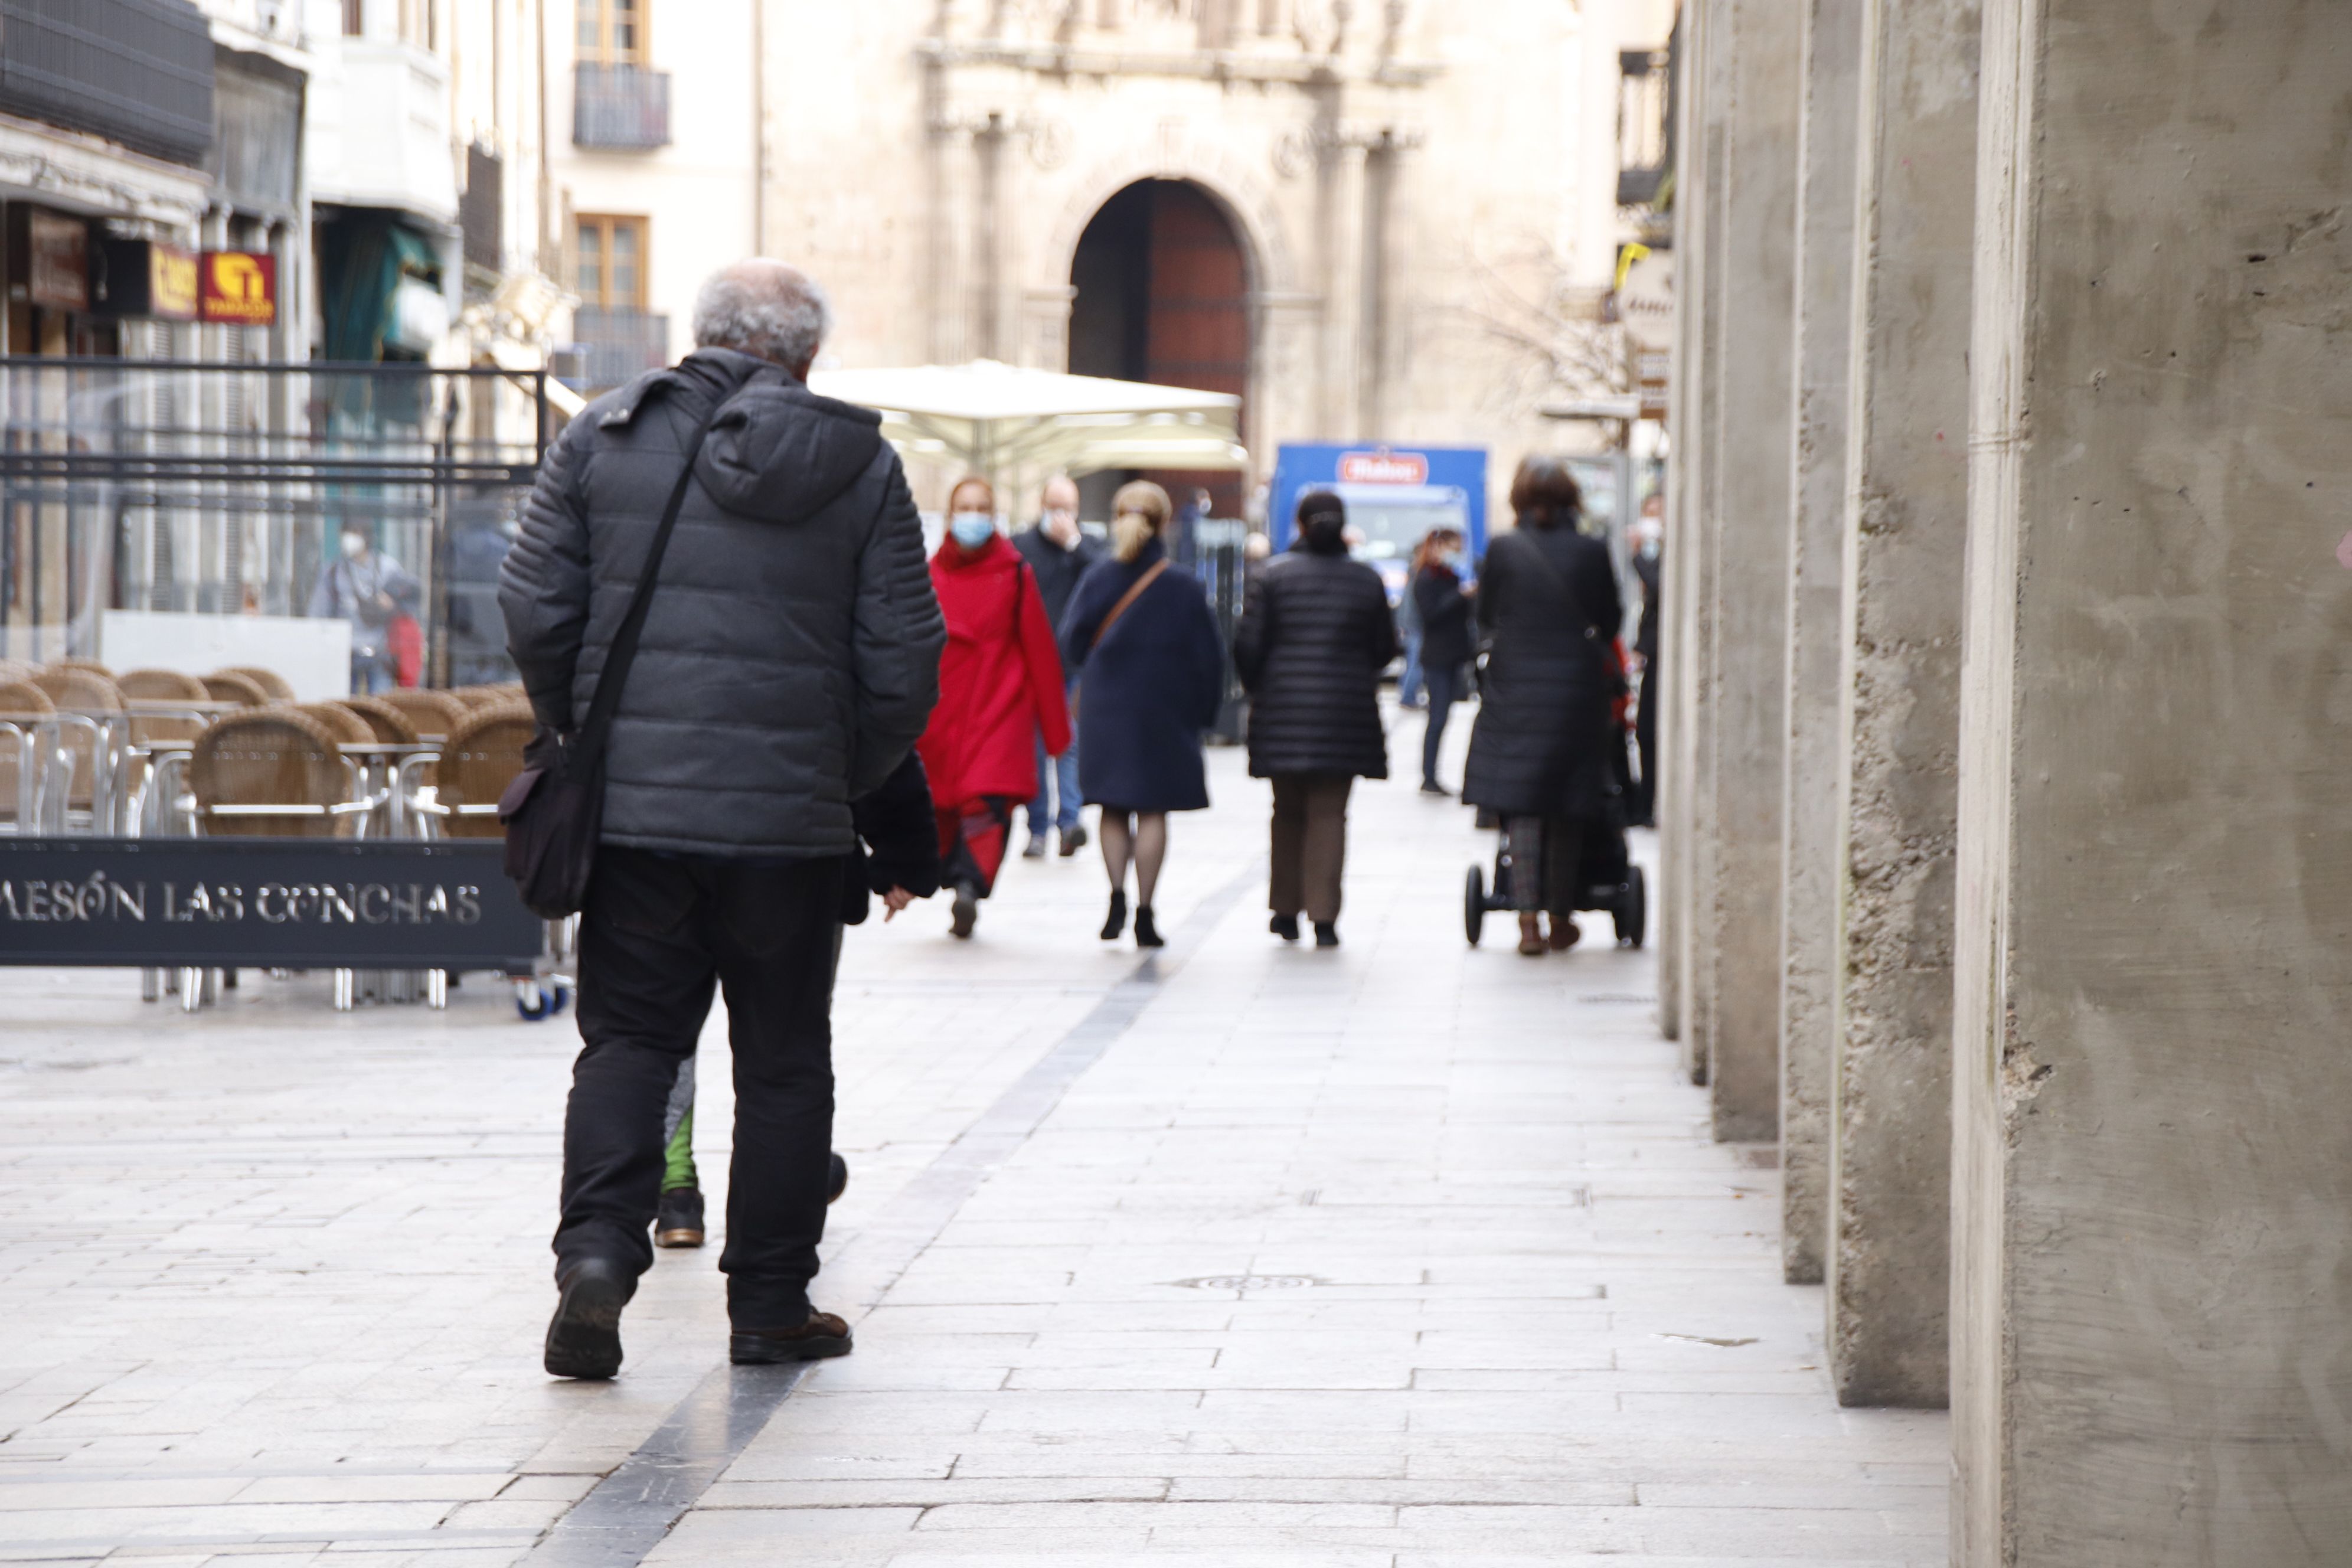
column 227, row 686
column 164, row 686
column 432, row 714
column 91, row 665
column 348, row 728
column 278, row 687
column 478, row 761
column 391, row 726
column 476, row 697
column 12, row 670
column 281, row 757
column 24, row 704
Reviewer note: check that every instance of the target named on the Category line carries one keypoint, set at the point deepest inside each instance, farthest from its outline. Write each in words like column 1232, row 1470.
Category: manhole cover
column 1247, row 1282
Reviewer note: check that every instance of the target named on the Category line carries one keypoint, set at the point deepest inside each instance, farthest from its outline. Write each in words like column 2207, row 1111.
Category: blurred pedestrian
column 1000, row 690
column 1649, row 556
column 374, row 591
column 1548, row 607
column 1143, row 646
column 788, row 659
column 1315, row 633
column 1060, row 553
column 1441, row 568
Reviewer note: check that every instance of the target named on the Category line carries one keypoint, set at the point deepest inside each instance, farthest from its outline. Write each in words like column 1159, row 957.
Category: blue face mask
column 973, row 529
column 1456, row 563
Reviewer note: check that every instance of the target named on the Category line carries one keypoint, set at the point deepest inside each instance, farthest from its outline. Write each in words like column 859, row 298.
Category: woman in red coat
column 1000, row 690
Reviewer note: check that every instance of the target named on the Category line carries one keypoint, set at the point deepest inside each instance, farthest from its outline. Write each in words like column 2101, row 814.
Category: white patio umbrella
column 1014, row 424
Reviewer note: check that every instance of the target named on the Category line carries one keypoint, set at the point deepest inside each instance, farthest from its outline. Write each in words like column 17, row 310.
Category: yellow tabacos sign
column 239, row 288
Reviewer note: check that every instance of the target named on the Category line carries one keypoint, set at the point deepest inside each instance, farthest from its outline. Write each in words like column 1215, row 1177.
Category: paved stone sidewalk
column 1404, row 1255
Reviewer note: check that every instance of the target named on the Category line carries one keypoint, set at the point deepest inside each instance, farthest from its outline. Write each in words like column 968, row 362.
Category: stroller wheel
column 1632, row 913
column 1474, row 905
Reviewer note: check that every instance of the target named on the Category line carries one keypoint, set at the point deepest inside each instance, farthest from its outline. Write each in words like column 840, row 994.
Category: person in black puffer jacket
column 790, row 659
column 1446, row 645
column 1549, row 605
column 1315, row 633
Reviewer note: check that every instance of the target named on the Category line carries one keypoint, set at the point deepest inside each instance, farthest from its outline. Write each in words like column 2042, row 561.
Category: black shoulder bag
column 554, row 809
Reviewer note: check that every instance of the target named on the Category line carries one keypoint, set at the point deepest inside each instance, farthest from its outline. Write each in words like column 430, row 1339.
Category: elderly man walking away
column 788, row 661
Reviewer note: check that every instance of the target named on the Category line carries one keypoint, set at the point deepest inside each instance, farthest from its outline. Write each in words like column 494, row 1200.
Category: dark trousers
column 1642, row 806
column 1447, row 687
column 660, row 933
column 1310, row 844
column 1547, row 863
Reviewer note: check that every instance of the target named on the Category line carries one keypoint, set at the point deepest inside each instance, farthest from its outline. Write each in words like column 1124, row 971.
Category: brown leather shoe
column 1531, row 941
column 1565, row 934
column 821, row 1336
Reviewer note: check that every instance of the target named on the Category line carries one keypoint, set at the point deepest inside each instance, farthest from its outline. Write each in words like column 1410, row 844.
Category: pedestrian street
column 1404, row 1255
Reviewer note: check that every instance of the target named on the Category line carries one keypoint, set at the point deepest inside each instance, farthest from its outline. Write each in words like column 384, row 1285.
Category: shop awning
column 1002, row 421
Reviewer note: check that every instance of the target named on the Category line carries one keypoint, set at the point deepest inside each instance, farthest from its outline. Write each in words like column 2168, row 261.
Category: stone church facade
column 1368, row 218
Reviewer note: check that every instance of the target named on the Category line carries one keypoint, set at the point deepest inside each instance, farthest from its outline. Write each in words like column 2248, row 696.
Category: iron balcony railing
column 135, row 72
column 1645, row 124
column 620, row 109
column 617, row 346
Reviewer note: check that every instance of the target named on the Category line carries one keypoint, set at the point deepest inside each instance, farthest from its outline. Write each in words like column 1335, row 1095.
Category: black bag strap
column 606, row 703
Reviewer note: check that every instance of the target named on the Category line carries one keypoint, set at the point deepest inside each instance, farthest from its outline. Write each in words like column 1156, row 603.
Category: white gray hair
column 763, row 307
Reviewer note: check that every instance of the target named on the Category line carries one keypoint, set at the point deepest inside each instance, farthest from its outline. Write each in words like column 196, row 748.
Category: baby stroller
column 1607, row 881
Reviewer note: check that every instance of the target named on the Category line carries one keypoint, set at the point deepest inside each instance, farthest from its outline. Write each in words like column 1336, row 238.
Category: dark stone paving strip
column 628, row 1512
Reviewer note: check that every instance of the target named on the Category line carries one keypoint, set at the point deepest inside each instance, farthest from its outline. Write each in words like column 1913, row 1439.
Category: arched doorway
column 1163, row 284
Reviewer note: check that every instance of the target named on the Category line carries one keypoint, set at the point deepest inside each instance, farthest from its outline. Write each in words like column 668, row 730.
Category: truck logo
column 1383, row 468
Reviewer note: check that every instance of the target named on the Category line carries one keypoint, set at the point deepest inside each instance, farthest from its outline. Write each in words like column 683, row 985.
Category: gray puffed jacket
column 790, row 656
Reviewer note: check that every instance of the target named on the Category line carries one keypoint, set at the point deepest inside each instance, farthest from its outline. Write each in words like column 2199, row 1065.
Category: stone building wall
column 1418, row 189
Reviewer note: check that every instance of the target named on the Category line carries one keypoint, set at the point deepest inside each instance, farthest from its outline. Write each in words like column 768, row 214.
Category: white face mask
column 354, row 546
column 972, row 529
column 1062, row 526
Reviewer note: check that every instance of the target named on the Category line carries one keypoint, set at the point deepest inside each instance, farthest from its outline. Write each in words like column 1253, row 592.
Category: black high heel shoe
column 1117, row 921
column 1146, row 933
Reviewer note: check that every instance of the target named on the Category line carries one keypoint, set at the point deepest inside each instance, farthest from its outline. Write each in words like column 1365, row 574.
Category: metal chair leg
column 346, row 984
column 151, row 984
column 436, row 989
column 191, row 990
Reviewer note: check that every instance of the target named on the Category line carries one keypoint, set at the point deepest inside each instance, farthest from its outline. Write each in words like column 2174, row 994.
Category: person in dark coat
column 1649, row 541
column 1061, row 554
column 1447, row 646
column 1315, row 633
column 1549, row 605
column 1143, row 646
column 789, row 661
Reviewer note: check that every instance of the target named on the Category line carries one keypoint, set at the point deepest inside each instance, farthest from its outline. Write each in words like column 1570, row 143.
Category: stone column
column 2153, row 1167
column 1833, row 52
column 1891, row 1174
column 1753, row 420
column 1697, row 133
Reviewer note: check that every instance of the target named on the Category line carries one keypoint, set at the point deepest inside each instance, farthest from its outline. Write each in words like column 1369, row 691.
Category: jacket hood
column 778, row 452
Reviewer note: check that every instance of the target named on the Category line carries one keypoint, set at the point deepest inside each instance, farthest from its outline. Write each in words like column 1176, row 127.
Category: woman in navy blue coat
column 1142, row 644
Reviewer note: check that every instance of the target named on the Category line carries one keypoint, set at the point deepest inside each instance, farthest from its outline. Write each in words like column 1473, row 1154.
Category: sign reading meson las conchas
column 279, row 903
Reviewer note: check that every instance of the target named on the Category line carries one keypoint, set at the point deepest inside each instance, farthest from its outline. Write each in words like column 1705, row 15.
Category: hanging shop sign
column 145, row 278
column 57, row 260
column 238, row 289
column 262, row 904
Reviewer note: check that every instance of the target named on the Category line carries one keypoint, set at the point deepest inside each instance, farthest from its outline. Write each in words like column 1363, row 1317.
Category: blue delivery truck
column 1394, row 495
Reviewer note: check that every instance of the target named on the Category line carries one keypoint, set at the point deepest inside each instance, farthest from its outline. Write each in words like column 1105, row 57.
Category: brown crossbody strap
column 1127, row 602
